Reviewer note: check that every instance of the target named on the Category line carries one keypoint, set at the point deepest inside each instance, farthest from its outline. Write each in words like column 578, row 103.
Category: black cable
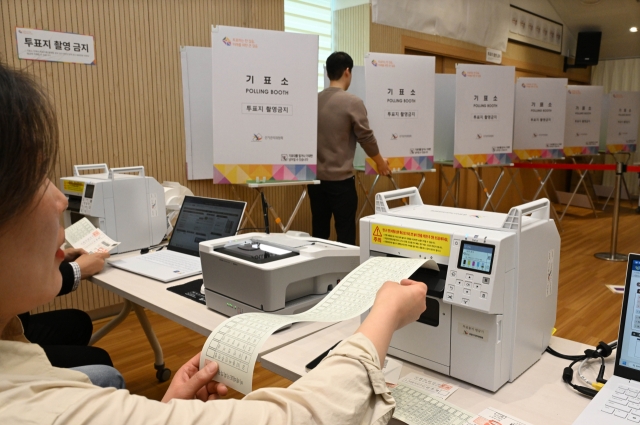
column 601, row 351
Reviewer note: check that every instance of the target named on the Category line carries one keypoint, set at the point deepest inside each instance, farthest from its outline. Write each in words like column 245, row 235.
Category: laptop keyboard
column 624, row 403
column 416, row 407
column 186, row 263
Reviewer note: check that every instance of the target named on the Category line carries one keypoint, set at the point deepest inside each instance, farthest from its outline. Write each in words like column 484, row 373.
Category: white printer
column 491, row 306
column 129, row 208
column 272, row 273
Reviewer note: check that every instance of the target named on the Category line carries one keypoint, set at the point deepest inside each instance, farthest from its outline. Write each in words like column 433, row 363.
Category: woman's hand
column 189, row 382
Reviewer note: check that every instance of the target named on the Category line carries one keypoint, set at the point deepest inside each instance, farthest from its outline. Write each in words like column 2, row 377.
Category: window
column 311, row 17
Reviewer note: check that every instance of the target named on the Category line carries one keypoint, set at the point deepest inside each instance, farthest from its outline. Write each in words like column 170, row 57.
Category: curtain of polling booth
column 619, row 75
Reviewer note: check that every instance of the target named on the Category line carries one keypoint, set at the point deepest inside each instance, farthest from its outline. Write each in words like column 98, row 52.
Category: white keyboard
column 183, row 262
column 415, row 407
column 624, row 403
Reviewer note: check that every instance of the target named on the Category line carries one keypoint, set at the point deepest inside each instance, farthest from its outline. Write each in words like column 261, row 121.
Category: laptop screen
column 628, row 352
column 203, row 219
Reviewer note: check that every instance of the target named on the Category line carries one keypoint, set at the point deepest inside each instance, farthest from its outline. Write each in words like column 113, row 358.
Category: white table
column 538, row 396
column 140, row 292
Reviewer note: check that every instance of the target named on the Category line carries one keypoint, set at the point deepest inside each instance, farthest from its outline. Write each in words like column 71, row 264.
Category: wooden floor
column 587, row 310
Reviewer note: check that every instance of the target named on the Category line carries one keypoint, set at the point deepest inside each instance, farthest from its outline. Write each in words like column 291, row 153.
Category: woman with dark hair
column 346, row 388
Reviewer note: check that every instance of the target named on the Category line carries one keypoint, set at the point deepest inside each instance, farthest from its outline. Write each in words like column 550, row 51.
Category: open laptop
column 200, row 219
column 618, row 402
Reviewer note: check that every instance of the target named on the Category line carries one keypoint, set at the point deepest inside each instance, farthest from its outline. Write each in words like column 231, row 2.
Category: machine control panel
column 87, row 199
column 471, row 272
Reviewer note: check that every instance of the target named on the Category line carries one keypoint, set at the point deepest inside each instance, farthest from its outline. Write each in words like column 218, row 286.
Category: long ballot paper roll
column 235, row 343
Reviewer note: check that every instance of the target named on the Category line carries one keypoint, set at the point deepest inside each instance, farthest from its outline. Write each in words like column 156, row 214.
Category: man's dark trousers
column 337, row 198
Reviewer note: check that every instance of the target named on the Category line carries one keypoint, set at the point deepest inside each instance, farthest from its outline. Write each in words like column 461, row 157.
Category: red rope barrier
column 633, row 168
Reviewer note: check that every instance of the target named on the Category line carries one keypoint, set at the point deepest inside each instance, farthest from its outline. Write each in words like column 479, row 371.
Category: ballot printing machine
column 492, row 284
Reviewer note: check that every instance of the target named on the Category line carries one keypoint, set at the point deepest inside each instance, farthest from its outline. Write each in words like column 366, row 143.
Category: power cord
column 601, row 351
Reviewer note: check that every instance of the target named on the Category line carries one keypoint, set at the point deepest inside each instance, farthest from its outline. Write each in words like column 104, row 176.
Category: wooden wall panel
column 351, row 32
column 127, row 109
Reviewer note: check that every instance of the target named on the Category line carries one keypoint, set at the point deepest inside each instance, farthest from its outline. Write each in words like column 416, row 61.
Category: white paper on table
column 236, row 342
column 391, row 370
column 429, row 385
column 491, row 416
column 85, row 235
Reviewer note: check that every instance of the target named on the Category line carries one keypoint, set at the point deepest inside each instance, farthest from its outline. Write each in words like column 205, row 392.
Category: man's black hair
column 337, row 62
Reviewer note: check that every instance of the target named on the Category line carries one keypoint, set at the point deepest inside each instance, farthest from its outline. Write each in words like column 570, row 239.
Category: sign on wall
column 582, row 125
column 265, row 103
column 53, row 46
column 484, row 115
column 400, row 105
column 622, row 121
column 540, row 116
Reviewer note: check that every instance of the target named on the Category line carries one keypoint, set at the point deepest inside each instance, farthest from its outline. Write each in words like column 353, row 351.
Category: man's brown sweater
column 342, row 121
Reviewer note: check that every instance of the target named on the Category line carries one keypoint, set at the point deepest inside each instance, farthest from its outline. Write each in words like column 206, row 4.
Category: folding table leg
column 368, row 198
column 485, row 190
column 100, row 333
column 515, row 184
column 162, row 373
column 295, row 210
column 247, row 215
column 580, row 183
column 454, row 180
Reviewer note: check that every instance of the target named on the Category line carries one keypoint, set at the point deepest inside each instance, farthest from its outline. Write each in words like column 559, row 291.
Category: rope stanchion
column 613, row 255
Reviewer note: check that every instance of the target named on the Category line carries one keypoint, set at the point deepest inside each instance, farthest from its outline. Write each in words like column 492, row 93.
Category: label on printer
column 74, row 186
column 416, row 240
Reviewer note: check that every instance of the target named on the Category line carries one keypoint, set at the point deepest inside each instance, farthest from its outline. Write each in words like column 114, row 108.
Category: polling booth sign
column 265, row 102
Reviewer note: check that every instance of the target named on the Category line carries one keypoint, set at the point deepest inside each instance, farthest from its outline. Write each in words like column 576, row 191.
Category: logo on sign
column 478, row 136
column 374, row 63
column 464, row 74
column 535, row 135
column 226, row 41
column 257, row 137
column 394, row 136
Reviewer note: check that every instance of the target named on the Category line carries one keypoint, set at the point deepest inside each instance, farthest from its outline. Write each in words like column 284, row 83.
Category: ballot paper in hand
column 235, row 343
column 85, row 235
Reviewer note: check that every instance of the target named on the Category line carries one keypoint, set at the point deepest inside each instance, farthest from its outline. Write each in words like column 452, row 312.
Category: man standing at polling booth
column 342, row 122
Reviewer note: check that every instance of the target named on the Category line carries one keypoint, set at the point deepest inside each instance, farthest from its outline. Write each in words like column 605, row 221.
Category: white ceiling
column 612, row 17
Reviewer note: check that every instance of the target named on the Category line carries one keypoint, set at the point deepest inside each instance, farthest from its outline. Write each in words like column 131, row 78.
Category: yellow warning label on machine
column 73, row 186
column 416, row 240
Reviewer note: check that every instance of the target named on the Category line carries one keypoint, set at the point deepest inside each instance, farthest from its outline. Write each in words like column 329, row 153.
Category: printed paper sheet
column 85, row 235
column 415, row 406
column 491, row 416
column 429, row 385
column 235, row 343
